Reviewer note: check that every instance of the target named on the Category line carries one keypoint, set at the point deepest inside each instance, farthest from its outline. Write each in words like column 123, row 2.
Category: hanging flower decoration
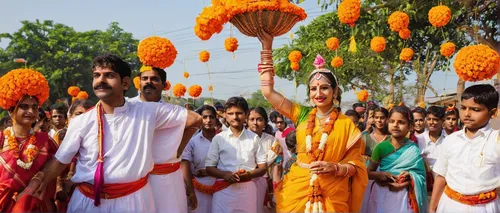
column 421, row 104
column 398, row 21
column 204, row 56
column 156, row 51
column 210, row 88
column 447, row 49
column 352, row 45
column 212, row 18
column 439, row 16
column 20, row 82
column 73, row 91
column 337, row 62
column 389, row 107
column 377, row 44
column 231, row 44
column 195, row 91
column 404, row 33
column 167, row 86
column 295, row 66
column 137, row 82
column 333, row 43
column 186, row 75
column 82, row 95
column 349, row 11
column 362, row 96
column 295, row 56
column 179, row 90
column 476, row 63
column 406, row 54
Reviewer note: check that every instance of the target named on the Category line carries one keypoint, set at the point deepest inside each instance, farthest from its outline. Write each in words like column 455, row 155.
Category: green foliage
column 258, row 100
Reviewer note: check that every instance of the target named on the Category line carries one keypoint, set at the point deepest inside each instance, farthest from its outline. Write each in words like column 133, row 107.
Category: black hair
column 86, row 104
column 114, row 63
column 206, row 107
column 483, row 94
column 161, row 73
column 382, row 110
column 239, row 102
column 436, row 111
column 355, row 105
column 352, row 113
column 419, row 110
column 405, row 111
column 218, row 106
column 451, row 111
column 291, row 140
column 273, row 115
column 329, row 76
column 60, row 108
column 268, row 129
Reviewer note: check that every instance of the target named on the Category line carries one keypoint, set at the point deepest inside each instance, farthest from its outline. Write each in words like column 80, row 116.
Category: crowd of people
column 143, row 155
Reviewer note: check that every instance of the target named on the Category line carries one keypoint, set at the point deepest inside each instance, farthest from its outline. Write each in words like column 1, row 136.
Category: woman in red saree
column 23, row 152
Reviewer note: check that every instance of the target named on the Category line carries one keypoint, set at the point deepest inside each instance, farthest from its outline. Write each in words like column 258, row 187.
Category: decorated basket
column 276, row 23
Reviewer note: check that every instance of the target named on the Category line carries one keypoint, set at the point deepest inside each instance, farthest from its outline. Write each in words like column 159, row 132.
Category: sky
column 175, row 19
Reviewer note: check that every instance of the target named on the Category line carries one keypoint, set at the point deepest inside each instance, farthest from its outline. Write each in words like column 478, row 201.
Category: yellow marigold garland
column 137, row 82
column 337, row 62
column 231, row 44
column 476, row 63
column 404, row 33
column 333, row 43
column 406, row 54
column 362, row 96
column 179, row 90
column 204, row 56
column 73, row 91
column 398, row 20
column 377, row 44
column 439, row 16
column 295, row 56
column 157, row 52
column 349, row 11
column 195, row 91
column 447, row 49
column 21, row 82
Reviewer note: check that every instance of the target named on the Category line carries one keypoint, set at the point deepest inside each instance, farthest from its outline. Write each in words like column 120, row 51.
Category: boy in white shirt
column 468, row 167
column 235, row 157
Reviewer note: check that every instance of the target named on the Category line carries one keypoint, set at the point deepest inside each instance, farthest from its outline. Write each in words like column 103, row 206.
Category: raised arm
column 266, row 72
column 193, row 123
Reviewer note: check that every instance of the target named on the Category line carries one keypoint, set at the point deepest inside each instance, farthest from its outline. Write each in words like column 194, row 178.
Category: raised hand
column 266, row 39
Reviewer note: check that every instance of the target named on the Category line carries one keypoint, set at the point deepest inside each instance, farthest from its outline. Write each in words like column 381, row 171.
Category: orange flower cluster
column 337, row 62
column 439, row 16
column 186, row 75
column 295, row 56
column 212, row 18
column 404, row 33
column 333, row 43
column 73, row 91
column 179, row 90
column 31, row 150
column 295, row 66
column 377, row 44
column 204, row 56
column 157, row 52
column 82, row 95
column 348, row 11
column 447, row 49
column 167, row 86
column 421, row 104
column 195, row 91
column 210, row 88
column 476, row 63
column 137, row 82
column 362, row 96
column 21, row 82
column 398, row 20
column 231, row 44
column 406, row 54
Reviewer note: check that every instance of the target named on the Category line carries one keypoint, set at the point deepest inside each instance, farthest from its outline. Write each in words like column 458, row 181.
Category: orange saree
column 344, row 145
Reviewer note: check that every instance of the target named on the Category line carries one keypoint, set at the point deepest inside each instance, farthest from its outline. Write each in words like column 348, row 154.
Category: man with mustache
column 114, row 145
column 166, row 178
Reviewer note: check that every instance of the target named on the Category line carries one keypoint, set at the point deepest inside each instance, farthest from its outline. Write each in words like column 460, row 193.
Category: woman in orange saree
column 23, row 152
column 330, row 174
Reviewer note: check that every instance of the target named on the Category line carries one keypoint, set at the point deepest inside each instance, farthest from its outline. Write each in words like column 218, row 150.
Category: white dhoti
column 238, row 197
column 382, row 200
column 139, row 201
column 261, row 185
column 204, row 199
column 448, row 205
column 169, row 192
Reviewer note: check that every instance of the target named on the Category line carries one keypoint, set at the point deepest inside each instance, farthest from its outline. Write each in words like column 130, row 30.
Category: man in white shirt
column 236, row 156
column 166, row 177
column 58, row 117
column 432, row 138
column 114, row 145
column 193, row 160
column 468, row 168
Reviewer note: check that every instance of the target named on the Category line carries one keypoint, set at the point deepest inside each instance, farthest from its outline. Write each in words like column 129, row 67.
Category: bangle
column 281, row 103
column 346, row 170
column 267, row 82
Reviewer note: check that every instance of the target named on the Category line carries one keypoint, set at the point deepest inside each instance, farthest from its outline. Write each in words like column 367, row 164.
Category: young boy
column 419, row 120
column 430, row 140
column 235, row 157
column 450, row 124
column 467, row 169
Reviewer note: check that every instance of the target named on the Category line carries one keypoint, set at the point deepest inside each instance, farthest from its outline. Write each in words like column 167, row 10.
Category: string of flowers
column 29, row 153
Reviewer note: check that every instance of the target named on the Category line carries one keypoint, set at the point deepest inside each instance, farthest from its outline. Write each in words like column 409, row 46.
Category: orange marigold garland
column 333, row 43
column 476, row 63
column 157, row 52
column 29, row 153
column 362, row 96
column 439, row 16
column 195, row 91
column 179, row 90
column 73, row 91
column 295, row 66
column 295, row 56
column 406, row 54
column 167, row 86
column 377, row 44
column 204, row 56
column 447, row 49
column 337, row 62
column 404, row 33
column 398, row 21
column 231, row 44
column 21, row 82
column 349, row 11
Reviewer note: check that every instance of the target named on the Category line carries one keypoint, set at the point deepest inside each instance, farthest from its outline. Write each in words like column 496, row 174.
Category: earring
column 335, row 102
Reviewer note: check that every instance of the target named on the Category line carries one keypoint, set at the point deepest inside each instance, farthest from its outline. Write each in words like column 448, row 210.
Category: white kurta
column 168, row 190
column 470, row 166
column 230, row 153
column 430, row 150
column 196, row 152
column 128, row 139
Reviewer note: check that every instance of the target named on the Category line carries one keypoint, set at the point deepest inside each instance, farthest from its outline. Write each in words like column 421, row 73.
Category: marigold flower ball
column 156, row 51
column 406, row 54
column 398, row 20
column 447, row 49
column 362, row 95
column 377, row 44
column 337, row 62
column 82, row 95
column 21, row 82
column 179, row 90
column 295, row 56
column 195, row 91
column 476, row 63
column 137, row 82
column 167, row 86
column 333, row 43
column 439, row 16
column 231, row 44
column 295, row 66
column 404, row 33
column 204, row 56
column 73, row 91
column 349, row 11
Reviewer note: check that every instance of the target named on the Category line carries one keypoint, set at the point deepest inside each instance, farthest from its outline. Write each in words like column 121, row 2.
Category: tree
column 258, row 100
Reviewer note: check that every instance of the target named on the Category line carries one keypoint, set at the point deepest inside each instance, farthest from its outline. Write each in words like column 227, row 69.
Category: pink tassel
column 98, row 182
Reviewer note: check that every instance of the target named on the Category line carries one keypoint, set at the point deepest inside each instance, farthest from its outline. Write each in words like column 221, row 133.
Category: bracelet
column 36, row 178
column 266, row 70
column 267, row 82
column 346, row 170
column 281, row 103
